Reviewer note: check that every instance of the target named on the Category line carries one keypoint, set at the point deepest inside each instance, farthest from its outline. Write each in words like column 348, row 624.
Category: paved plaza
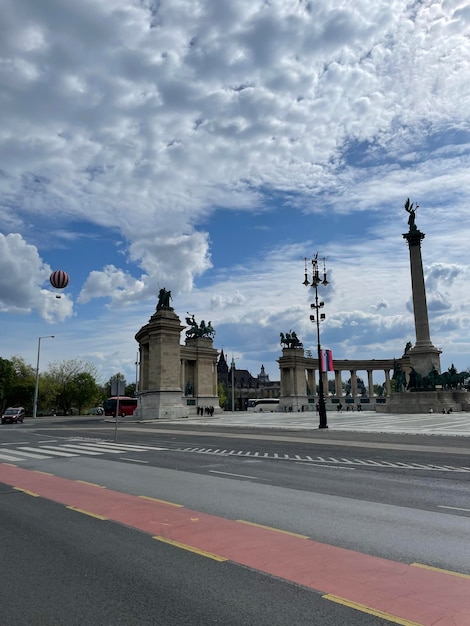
column 455, row 424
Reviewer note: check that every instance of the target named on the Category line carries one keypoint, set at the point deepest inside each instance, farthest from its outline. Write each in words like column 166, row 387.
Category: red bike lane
column 407, row 594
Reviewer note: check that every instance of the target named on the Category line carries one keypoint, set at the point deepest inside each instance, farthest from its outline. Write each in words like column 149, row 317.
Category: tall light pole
column 36, row 387
column 137, row 374
column 318, row 317
column 233, row 383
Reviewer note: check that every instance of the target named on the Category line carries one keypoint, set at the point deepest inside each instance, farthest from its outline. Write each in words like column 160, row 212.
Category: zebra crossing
column 329, row 461
column 70, row 448
column 54, row 449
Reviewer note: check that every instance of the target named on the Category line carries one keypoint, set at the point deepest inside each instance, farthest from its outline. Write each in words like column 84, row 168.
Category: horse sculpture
column 201, row 330
column 290, row 340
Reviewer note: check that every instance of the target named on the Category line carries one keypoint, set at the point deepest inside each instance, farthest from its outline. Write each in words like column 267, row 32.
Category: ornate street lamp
column 36, row 387
column 318, row 317
column 233, row 384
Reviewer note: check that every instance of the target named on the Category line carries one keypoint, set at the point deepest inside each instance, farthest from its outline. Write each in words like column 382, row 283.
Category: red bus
column 127, row 406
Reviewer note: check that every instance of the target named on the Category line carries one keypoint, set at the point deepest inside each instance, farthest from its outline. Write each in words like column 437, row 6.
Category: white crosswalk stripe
column 50, row 450
column 45, row 451
column 6, row 457
column 22, row 454
column 330, row 461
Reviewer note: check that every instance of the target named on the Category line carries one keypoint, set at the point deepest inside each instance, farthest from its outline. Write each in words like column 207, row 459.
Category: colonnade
column 299, row 376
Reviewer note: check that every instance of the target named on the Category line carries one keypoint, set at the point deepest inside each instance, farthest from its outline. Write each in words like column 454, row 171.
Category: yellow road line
column 30, row 493
column 10, row 464
column 40, row 472
column 177, row 544
column 442, row 571
column 161, row 501
column 74, row 508
column 366, row 609
column 85, row 482
column 277, row 530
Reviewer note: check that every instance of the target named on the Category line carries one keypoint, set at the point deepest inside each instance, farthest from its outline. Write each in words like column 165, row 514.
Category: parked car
column 97, row 410
column 13, row 415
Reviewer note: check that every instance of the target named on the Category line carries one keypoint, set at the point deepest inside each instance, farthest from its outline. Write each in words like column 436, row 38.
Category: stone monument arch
column 175, row 380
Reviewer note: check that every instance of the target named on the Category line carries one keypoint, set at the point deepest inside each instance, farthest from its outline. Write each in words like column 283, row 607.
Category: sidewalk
column 455, row 424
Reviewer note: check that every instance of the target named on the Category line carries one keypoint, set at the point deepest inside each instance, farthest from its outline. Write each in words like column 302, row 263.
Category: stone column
column 388, row 385
column 370, row 383
column 294, row 388
column 160, row 393
column 326, row 392
column 423, row 356
column 353, row 383
column 338, row 384
column 311, row 382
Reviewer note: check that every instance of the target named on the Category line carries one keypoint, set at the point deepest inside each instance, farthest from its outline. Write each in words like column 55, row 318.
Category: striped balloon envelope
column 59, row 279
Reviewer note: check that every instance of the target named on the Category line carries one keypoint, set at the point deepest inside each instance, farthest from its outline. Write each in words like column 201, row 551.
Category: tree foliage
column 129, row 389
column 222, row 393
column 17, row 382
column 6, row 376
column 70, row 384
column 65, row 386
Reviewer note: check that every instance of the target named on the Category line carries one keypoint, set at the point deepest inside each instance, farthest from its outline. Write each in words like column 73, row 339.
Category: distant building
column 245, row 386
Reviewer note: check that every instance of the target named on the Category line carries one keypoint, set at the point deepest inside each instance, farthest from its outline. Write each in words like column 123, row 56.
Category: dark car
column 13, row 415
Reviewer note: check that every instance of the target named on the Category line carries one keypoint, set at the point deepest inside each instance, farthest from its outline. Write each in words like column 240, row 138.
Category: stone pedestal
column 293, row 381
column 199, row 374
column 175, row 380
column 160, row 393
column 423, row 401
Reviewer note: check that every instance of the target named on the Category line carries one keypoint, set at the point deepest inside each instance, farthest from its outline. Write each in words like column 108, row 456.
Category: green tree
column 6, row 376
column 222, row 393
column 65, row 375
column 130, row 390
column 113, row 378
column 22, row 384
column 85, row 391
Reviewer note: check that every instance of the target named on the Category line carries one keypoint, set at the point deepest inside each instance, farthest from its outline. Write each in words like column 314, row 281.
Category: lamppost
column 233, row 383
column 318, row 317
column 36, row 387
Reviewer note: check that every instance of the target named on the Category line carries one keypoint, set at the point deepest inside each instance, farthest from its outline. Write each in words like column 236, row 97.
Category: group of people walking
column 205, row 410
column 349, row 407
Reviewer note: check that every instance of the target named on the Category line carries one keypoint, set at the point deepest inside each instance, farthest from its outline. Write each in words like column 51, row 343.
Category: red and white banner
column 326, row 361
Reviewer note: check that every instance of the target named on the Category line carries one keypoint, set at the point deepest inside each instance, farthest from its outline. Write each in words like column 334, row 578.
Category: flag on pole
column 326, row 361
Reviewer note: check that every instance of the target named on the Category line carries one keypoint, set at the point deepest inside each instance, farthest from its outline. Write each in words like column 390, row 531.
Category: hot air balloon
column 59, row 279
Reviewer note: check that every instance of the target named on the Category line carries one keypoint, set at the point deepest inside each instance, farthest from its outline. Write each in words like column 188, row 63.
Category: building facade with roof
column 242, row 385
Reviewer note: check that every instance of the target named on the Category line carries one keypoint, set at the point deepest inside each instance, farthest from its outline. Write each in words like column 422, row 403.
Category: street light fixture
column 318, row 317
column 233, row 383
column 36, row 387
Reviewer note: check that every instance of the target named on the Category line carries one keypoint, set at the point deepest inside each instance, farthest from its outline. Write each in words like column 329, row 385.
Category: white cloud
column 144, row 117
column 22, row 272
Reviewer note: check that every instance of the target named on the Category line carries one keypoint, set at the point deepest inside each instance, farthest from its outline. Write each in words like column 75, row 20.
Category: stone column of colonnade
column 338, row 384
column 353, row 383
column 297, row 372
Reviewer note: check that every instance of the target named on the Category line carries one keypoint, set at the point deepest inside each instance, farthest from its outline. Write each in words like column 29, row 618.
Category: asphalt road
column 399, row 497
column 60, row 567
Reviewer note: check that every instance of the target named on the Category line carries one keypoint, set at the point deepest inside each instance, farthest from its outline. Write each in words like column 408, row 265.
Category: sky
column 210, row 147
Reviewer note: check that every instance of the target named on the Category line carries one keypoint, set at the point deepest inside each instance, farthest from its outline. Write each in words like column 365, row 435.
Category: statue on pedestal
column 290, row 340
column 164, row 297
column 203, row 330
column 411, row 207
